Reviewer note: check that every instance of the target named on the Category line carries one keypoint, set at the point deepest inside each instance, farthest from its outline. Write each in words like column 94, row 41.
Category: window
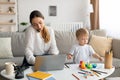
column 110, row 17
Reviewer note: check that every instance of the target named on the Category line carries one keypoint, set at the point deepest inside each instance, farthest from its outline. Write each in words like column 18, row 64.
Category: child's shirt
column 81, row 53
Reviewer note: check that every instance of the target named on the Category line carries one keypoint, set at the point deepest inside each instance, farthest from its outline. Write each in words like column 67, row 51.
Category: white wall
column 110, row 17
column 67, row 10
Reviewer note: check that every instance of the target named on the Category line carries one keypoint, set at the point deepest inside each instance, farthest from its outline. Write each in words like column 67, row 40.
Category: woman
column 40, row 39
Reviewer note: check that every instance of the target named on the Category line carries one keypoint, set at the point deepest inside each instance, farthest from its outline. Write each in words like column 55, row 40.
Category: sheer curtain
column 110, row 17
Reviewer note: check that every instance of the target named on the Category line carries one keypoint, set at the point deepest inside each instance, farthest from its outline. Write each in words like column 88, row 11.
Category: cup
column 108, row 60
column 9, row 68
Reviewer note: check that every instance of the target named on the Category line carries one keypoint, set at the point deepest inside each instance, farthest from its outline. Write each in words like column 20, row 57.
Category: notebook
column 50, row 78
column 49, row 62
column 39, row 75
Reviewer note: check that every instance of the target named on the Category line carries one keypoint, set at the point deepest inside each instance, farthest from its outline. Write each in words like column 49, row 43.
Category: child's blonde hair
column 82, row 32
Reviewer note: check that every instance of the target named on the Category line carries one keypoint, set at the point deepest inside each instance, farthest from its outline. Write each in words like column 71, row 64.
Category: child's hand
column 98, row 57
column 69, row 56
column 101, row 59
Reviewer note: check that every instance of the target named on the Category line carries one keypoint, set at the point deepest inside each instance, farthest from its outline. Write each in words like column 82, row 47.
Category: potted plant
column 24, row 24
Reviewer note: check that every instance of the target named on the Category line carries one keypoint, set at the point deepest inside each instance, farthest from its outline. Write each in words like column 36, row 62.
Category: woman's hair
column 34, row 14
column 45, row 33
column 82, row 32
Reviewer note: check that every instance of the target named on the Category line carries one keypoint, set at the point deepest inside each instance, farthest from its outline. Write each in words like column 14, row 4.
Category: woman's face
column 38, row 23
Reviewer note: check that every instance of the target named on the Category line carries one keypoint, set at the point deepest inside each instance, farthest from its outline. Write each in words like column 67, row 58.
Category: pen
column 99, row 71
column 84, row 74
column 67, row 66
column 96, row 74
column 85, row 71
column 81, row 73
column 75, row 76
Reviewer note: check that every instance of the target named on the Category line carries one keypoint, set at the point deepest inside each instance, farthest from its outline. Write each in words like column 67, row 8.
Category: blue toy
column 94, row 65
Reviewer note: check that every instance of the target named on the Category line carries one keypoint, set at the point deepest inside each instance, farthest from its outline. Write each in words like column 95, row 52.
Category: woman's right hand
column 69, row 56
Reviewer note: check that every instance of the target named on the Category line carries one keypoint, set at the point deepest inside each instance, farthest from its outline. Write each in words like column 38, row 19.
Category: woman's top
column 35, row 44
column 81, row 53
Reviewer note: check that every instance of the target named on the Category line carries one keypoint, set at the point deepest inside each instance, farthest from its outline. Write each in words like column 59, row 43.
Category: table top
column 66, row 73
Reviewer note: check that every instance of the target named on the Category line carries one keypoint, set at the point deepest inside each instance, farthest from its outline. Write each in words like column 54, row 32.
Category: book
column 50, row 78
column 39, row 75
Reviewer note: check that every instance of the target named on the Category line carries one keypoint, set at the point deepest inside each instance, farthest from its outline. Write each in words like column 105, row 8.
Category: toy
column 89, row 66
column 94, row 65
column 82, row 65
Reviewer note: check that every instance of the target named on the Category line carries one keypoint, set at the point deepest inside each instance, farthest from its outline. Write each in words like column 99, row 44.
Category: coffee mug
column 9, row 67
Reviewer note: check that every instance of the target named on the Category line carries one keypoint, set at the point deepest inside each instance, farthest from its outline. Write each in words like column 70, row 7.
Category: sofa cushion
column 18, row 44
column 5, row 48
column 65, row 40
column 100, row 32
column 116, row 48
column 5, row 34
column 100, row 44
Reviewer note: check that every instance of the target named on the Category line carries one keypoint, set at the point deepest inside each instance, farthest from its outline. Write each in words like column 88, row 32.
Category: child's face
column 83, row 40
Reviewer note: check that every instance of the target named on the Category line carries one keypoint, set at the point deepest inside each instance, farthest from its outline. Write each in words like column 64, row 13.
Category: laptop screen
column 49, row 62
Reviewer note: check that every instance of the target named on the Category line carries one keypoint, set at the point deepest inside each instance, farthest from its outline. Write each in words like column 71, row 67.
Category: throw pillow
column 5, row 48
column 65, row 40
column 101, row 44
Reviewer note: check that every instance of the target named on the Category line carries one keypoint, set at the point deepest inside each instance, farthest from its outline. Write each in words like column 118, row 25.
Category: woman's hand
column 69, row 56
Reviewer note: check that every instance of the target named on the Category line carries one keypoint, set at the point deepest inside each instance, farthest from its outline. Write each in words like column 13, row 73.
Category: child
column 82, row 51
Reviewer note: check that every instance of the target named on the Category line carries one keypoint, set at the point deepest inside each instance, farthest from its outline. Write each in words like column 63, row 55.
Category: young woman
column 40, row 39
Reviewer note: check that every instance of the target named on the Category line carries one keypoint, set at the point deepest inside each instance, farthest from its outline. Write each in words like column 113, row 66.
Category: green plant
column 23, row 23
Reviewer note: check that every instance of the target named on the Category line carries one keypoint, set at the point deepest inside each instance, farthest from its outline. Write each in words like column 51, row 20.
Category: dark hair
column 34, row 14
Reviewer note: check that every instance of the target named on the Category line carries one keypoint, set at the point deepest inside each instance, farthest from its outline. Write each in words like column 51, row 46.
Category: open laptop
column 49, row 62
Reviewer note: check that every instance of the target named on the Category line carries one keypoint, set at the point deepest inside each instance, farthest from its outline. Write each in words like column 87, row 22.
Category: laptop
column 49, row 62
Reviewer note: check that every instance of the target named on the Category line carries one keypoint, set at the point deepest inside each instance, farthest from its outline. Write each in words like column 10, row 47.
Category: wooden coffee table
column 66, row 73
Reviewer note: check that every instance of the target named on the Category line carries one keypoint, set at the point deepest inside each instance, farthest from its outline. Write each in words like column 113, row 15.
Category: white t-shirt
column 81, row 53
column 35, row 44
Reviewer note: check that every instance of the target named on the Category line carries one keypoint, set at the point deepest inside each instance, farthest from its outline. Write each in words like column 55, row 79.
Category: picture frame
column 52, row 10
